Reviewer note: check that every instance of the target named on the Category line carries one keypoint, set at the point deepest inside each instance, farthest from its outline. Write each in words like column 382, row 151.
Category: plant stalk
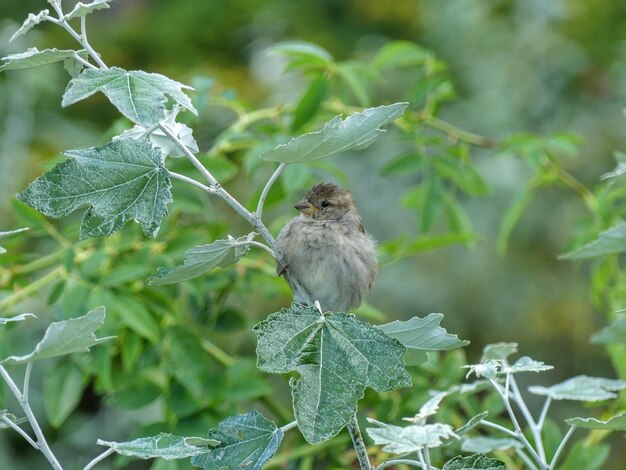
column 359, row 445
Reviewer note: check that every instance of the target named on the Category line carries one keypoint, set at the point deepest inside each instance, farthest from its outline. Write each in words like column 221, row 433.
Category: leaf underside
column 163, row 446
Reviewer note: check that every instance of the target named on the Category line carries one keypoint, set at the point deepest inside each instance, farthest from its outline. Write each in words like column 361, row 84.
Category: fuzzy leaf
column 163, row 446
column 423, row 333
column 498, row 351
column 337, row 357
column 615, row 423
column 66, row 337
column 614, row 333
column 20, row 317
column 138, row 95
column 610, row 241
column 472, row 423
column 34, row 57
column 484, row 445
column 6, row 416
column 302, row 54
column 427, row 409
column 203, row 258
column 247, row 441
column 474, row 462
column 357, row 131
column 121, row 181
column 526, row 364
column 581, row 388
column 30, row 22
column 407, row 439
column 82, row 9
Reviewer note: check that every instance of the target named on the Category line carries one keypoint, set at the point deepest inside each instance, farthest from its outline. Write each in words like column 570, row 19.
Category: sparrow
column 327, row 251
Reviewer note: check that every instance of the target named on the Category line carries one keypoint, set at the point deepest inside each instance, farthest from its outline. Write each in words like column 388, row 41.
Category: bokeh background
column 517, row 66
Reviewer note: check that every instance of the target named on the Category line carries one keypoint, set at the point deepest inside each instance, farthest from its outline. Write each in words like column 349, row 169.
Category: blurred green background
column 517, row 66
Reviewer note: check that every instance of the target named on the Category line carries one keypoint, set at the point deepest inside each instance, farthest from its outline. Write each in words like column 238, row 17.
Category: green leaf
column 526, row 364
column 203, row 258
column 355, row 76
column 138, row 95
column 30, row 22
column 498, row 351
column 20, row 317
column 337, row 357
column 303, row 55
column 66, row 337
column 609, row 242
column 34, row 57
column 83, row 9
column 616, row 423
column 310, row 102
column 121, row 181
column 433, row 203
column 248, row 441
column 423, row 333
column 63, row 388
column 133, row 314
column 612, row 334
column 513, row 215
column 357, row 131
column 407, row 439
column 162, row 446
column 474, row 462
column 8, row 234
column 581, row 388
column 472, row 423
column 407, row 163
column 590, row 456
column 397, row 54
column 483, row 445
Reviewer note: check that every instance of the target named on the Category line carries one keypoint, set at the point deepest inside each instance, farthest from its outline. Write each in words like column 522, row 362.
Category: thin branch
column 86, row 63
column 390, row 463
column 534, row 428
column 420, row 455
column 457, row 133
column 191, row 181
column 19, row 430
column 289, row 426
column 263, row 246
column 85, row 43
column 544, row 412
column 99, row 458
column 522, row 455
column 359, row 445
column 561, row 446
column 499, row 428
column 268, row 186
column 26, row 387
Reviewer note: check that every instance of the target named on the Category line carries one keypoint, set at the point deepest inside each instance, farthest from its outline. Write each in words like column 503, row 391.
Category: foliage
column 165, row 350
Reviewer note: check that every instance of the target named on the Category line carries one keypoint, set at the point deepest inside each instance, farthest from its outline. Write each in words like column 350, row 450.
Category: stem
column 499, row 428
column 457, row 133
column 191, row 181
column 41, row 443
column 85, row 43
column 427, row 457
column 29, row 369
column 389, row 463
column 266, row 189
column 544, row 412
column 359, row 445
column 261, row 245
column 420, row 455
column 33, row 287
column 561, row 447
column 522, row 455
column 99, row 458
column 289, row 426
column 19, row 430
column 534, row 427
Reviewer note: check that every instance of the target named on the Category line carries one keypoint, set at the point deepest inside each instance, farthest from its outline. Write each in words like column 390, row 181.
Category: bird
column 327, row 251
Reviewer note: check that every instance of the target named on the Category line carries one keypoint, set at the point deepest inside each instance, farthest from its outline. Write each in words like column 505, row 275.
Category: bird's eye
column 325, row 203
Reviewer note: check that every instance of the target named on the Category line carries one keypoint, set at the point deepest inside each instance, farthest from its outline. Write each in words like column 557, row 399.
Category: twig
column 458, row 134
column 19, row 430
column 191, row 181
column 534, row 428
column 561, row 447
column 359, row 445
column 289, row 426
column 499, row 428
column 266, row 189
column 99, row 458
column 389, row 463
column 85, row 43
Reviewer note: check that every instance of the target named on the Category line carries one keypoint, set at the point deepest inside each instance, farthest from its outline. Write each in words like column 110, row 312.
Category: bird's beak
column 306, row 207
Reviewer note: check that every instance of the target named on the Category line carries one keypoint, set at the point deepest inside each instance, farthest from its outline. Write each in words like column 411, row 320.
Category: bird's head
column 326, row 201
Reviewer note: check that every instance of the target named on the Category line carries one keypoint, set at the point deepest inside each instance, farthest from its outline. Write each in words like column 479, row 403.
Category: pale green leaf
column 616, row 423
column 66, row 337
column 586, row 455
column 124, row 180
column 356, row 76
column 163, row 446
column 34, row 57
column 247, row 441
column 303, row 54
column 526, row 364
column 357, row 131
column 472, row 423
column 474, row 462
column 400, row 54
column 488, row 369
column 203, row 258
column 310, row 102
column 608, row 242
column 138, row 95
column 63, row 388
column 82, row 9
column 337, row 357
column 407, row 439
column 423, row 333
column 483, row 445
column 615, row 333
column 581, row 388
column 498, row 351
column 8, row 234
column 20, row 317
column 30, row 22
column 427, row 409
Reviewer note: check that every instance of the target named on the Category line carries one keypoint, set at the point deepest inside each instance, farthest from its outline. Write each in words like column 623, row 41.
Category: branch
column 99, row 458
column 19, row 430
column 191, row 181
column 561, row 447
column 359, row 445
column 390, row 463
column 266, row 189
column 289, row 426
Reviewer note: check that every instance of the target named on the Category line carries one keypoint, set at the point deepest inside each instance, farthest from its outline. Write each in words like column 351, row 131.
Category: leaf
column 337, row 357
column 248, row 441
column 526, row 364
column 407, row 439
column 5, row 415
column 303, row 55
column 400, row 54
column 83, row 9
column 66, row 337
column 472, row 423
column 427, row 409
column 8, row 234
column 482, row 445
column 498, row 351
column 138, row 95
column 357, row 131
column 433, row 203
column 30, row 22
column 614, row 333
column 121, row 181
column 310, row 102
column 20, row 317
column 610, row 241
column 63, row 388
column 590, row 456
column 581, row 388
column 163, row 446
column 616, row 423
column 34, row 57
column 423, row 333
column 474, row 462
column 355, row 75
column 203, row 258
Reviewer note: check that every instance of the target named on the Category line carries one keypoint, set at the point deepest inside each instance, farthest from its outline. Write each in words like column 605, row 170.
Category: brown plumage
column 327, row 250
